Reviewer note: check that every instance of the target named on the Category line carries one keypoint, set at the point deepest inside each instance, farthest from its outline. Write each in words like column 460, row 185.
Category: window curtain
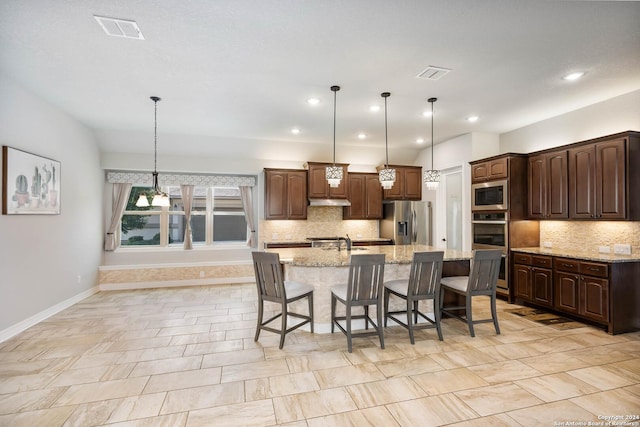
column 247, row 205
column 187, row 199
column 121, row 193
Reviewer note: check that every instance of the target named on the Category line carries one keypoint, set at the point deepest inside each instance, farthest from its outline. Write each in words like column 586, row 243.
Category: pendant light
column 334, row 173
column 387, row 175
column 432, row 177
column 159, row 198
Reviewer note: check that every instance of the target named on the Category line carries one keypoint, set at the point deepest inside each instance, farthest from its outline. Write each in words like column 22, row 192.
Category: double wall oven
column 490, row 224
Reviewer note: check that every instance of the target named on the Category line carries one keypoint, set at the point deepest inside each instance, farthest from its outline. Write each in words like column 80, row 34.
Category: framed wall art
column 30, row 183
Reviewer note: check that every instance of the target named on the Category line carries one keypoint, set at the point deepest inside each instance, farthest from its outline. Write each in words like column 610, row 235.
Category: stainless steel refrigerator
column 407, row 222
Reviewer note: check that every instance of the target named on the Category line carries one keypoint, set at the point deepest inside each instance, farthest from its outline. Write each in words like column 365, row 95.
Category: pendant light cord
column 385, row 95
column 335, row 90
column 155, row 135
column 432, row 100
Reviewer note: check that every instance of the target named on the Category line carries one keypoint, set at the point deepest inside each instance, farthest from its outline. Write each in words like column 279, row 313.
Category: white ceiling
column 234, row 75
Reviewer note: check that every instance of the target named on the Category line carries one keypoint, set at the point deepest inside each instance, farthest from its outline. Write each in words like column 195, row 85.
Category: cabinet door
column 275, row 195
column 357, row 197
column 480, row 172
column 537, row 187
column 541, row 286
column 582, row 185
column 567, row 288
column 557, row 185
column 397, row 191
column 610, row 180
column 498, row 169
column 319, row 187
column 522, row 282
column 373, row 197
column 297, row 195
column 594, row 298
column 413, row 184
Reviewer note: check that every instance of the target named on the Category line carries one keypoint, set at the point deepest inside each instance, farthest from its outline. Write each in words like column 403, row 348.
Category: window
column 217, row 216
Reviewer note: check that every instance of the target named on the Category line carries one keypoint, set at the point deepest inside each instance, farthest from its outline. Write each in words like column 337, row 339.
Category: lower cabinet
column 531, row 282
column 582, row 288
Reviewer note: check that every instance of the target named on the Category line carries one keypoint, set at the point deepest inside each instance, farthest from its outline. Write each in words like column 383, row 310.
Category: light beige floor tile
column 408, row 366
column 213, row 347
column 140, row 344
column 290, row 349
column 248, row 371
column 19, row 383
column 151, row 354
column 380, row 393
column 375, row 354
column 632, row 365
column 441, row 382
column 93, row 360
column 612, row 402
column 635, row 389
column 101, row 391
column 197, row 338
column 171, row 420
column 555, row 362
column 137, row 407
column 232, row 358
column 550, row 414
column 338, row 377
column 265, row 388
column 203, row 397
column 42, row 417
column 257, row 413
column 183, row 379
column 499, row 420
column 602, row 377
column 462, row 358
column 431, row 411
column 29, row 400
column 495, row 373
column 317, row 360
column 556, row 387
column 118, row 372
column 312, row 404
column 170, row 323
column 93, row 413
column 511, row 351
column 166, row 366
column 79, row 376
column 377, row 416
column 498, row 398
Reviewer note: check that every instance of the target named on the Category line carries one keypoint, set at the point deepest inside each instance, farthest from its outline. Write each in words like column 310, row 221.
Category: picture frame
column 30, row 183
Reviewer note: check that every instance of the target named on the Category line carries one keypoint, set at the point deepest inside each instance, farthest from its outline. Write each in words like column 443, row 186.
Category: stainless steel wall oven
column 490, row 230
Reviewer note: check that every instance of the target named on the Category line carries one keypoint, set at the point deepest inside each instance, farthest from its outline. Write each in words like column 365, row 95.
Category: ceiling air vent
column 120, row 27
column 433, row 73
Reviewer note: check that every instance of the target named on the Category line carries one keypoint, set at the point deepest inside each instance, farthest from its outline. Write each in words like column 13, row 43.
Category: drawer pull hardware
column 567, row 265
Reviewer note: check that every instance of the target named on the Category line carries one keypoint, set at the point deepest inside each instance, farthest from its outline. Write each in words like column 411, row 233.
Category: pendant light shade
column 431, row 177
column 386, row 175
column 334, row 173
column 159, row 198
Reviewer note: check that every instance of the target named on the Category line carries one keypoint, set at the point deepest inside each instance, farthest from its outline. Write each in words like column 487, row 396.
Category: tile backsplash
column 321, row 221
column 588, row 236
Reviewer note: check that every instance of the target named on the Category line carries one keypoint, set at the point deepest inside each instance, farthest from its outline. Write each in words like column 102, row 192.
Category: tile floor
column 186, row 357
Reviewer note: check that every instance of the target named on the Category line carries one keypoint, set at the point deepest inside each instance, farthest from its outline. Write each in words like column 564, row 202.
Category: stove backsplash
column 588, row 236
column 321, row 221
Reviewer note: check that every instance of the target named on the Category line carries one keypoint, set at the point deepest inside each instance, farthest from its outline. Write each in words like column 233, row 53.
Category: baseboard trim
column 175, row 283
column 14, row 330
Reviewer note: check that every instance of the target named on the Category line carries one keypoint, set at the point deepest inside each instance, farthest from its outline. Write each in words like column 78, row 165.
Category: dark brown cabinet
column 408, row 184
column 532, row 281
column 365, row 194
column 548, row 186
column 490, row 170
column 582, row 288
column 319, row 187
column 285, row 194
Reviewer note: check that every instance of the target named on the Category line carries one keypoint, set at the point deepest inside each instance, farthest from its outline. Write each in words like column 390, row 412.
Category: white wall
column 612, row 116
column 43, row 255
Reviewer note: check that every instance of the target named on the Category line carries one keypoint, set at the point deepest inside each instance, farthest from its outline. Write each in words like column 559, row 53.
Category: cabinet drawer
column 566, row 264
column 594, row 269
column 522, row 259
column 541, row 261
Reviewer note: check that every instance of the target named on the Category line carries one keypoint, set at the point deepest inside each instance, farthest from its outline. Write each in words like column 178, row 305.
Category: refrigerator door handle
column 414, row 224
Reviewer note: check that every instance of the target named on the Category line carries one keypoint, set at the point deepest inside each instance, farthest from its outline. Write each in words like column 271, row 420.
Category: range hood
column 329, row 202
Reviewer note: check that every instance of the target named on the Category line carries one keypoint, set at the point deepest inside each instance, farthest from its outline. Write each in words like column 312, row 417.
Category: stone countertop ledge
column 580, row 254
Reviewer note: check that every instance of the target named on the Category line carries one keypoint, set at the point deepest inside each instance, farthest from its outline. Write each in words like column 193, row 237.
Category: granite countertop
column 394, row 254
column 295, row 242
column 576, row 254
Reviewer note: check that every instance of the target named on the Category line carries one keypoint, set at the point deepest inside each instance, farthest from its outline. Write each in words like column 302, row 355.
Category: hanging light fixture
column 386, row 175
column 334, row 173
column 432, row 177
column 159, row 198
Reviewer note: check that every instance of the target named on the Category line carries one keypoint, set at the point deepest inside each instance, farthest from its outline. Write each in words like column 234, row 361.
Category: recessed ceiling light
column 295, row 131
column 313, row 101
column 362, row 135
column 374, row 108
column 420, row 141
column 426, row 113
column 472, row 119
column 573, row 76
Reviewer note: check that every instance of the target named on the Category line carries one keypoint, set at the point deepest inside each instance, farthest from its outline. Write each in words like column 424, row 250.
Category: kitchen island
column 326, row 267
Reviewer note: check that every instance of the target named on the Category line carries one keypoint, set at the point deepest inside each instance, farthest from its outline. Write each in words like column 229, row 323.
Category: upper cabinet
column 365, row 195
column 408, row 184
column 490, row 170
column 319, row 187
column 548, row 186
column 602, row 176
column 285, row 194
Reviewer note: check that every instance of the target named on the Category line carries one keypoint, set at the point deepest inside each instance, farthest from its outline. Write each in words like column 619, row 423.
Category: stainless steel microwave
column 489, row 196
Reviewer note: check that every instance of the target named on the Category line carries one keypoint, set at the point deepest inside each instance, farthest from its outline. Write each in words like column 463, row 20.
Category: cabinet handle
column 594, row 269
column 567, row 265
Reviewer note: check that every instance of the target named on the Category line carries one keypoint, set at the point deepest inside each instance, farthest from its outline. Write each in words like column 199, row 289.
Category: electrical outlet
column 604, row 249
column 622, row 249
column 287, row 237
column 201, row 274
column 547, row 244
column 274, row 235
column 358, row 236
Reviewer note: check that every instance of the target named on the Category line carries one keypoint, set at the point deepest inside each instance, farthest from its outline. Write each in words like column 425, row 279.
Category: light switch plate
column 622, row 249
column 274, row 235
column 604, row 249
column 547, row 244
